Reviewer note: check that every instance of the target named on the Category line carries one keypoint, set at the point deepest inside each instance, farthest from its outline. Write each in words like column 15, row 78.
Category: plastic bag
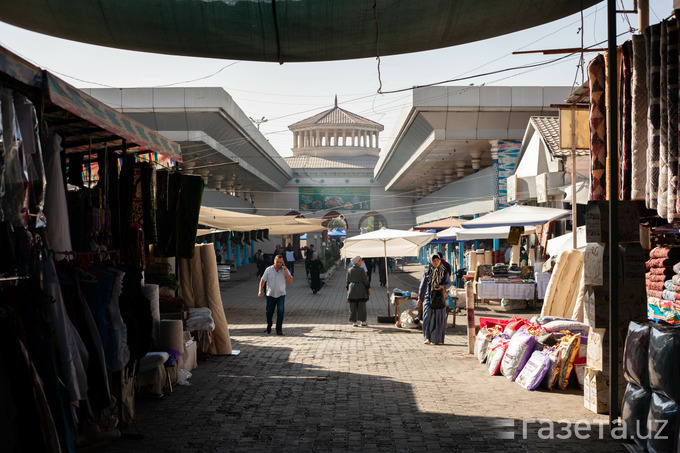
column 634, row 411
column 498, row 346
column 183, row 376
column 572, row 326
column 568, row 348
column 519, row 350
column 482, row 344
column 514, row 325
column 661, row 424
column 409, row 318
column 663, row 363
column 534, row 370
column 636, row 354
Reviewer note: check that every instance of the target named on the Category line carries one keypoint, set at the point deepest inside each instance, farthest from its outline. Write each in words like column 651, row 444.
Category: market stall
column 88, row 201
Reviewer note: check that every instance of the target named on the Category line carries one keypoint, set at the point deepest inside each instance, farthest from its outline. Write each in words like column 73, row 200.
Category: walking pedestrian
column 315, row 267
column 431, row 295
column 290, row 259
column 275, row 277
column 358, row 292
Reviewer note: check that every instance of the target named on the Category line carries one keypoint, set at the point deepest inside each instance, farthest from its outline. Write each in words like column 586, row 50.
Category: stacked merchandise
column 532, row 354
column 596, row 301
column 650, row 410
column 663, row 285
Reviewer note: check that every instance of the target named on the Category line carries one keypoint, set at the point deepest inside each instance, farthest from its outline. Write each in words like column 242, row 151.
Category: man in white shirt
column 275, row 277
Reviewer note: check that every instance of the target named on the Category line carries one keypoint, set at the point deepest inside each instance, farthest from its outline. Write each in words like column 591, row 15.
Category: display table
column 493, row 290
column 397, row 301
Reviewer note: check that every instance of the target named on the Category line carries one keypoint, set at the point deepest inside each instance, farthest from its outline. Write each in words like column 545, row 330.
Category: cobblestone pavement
column 325, row 386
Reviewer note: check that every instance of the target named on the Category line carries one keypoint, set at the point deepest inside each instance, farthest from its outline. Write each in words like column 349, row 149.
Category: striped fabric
column 662, row 193
column 625, row 118
column 598, row 130
column 639, row 120
column 672, row 119
column 652, row 34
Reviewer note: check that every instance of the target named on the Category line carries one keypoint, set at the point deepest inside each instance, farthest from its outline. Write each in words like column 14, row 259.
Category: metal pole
column 573, row 176
column 613, row 216
column 387, row 278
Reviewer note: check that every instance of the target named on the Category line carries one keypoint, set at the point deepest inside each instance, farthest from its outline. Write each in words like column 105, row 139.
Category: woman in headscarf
column 358, row 292
column 432, row 295
column 315, row 266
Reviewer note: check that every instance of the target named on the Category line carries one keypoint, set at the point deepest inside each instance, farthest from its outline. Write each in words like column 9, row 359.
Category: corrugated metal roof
column 305, row 161
column 336, row 116
column 549, row 128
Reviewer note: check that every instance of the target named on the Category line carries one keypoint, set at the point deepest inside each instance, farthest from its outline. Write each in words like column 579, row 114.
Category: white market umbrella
column 518, row 215
column 383, row 243
column 461, row 234
column 558, row 244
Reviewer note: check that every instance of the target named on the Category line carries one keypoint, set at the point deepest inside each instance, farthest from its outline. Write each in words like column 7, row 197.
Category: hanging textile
column 56, row 210
column 671, row 56
column 639, row 102
column 189, row 205
column 167, row 190
column 662, row 194
column 13, row 184
column 652, row 43
column 598, row 137
column 625, row 118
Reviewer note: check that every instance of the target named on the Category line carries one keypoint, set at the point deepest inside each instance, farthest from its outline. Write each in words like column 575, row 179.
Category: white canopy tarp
column 461, row 234
column 559, row 244
column 239, row 221
column 518, row 215
column 386, row 242
column 383, row 243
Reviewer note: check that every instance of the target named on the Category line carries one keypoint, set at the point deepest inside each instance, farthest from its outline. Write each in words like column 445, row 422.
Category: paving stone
column 326, row 386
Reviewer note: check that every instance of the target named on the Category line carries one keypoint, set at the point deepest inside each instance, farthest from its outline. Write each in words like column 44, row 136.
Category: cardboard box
column 597, row 351
column 597, row 221
column 632, row 305
column 596, row 390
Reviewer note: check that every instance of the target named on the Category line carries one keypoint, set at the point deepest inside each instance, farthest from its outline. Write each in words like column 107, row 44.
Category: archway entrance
column 372, row 221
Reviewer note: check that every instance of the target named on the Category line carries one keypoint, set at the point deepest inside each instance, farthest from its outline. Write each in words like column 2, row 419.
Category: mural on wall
column 348, row 199
column 508, row 156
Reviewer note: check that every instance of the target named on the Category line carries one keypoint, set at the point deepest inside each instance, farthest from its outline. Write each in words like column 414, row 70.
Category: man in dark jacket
column 358, row 292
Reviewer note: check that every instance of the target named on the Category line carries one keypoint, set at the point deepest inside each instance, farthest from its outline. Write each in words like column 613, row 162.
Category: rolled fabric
column 185, row 283
column 472, row 261
column 171, row 334
column 516, row 249
column 152, row 292
column 639, row 121
column 221, row 343
column 488, row 257
column 197, row 282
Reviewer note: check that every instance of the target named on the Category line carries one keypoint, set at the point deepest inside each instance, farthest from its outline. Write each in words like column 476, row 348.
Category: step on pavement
column 326, row 386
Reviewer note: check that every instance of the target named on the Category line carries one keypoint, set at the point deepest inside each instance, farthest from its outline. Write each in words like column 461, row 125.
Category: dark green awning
column 283, row 30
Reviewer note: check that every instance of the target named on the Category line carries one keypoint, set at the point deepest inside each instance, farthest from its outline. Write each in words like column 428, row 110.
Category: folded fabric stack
column 663, row 284
column 515, row 274
column 199, row 319
column 500, row 271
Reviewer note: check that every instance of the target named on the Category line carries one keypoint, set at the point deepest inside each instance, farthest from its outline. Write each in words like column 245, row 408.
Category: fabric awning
column 108, row 120
column 283, row 31
column 440, row 224
column 518, row 215
column 238, row 221
column 386, row 242
column 564, row 242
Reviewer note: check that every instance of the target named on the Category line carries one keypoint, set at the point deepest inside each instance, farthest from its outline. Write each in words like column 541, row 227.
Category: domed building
column 334, row 156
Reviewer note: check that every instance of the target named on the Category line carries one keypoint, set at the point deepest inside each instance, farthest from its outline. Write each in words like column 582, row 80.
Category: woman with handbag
column 432, row 296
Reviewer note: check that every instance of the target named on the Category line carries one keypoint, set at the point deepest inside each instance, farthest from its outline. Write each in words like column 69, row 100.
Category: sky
column 285, row 94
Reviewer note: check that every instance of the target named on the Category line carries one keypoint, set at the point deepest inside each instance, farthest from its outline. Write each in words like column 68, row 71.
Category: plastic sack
column 636, row 354
column 634, row 411
column 661, row 424
column 572, row 326
column 519, row 350
column 183, row 377
column 553, row 353
column 409, row 318
column 498, row 345
column 568, row 348
column 514, row 325
column 482, row 342
column 663, row 363
column 546, row 319
column 534, row 370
